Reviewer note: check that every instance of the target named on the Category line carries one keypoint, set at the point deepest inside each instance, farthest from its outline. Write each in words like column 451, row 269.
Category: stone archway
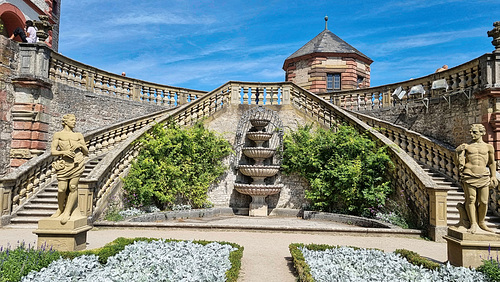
column 11, row 17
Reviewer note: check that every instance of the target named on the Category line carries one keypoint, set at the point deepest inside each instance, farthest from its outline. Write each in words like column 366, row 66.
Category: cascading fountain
column 259, row 171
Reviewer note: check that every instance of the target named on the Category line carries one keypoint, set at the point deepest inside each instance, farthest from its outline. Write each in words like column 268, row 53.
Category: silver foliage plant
column 144, row 261
column 346, row 264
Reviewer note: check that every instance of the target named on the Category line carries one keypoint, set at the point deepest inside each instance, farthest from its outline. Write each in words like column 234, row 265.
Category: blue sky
column 203, row 44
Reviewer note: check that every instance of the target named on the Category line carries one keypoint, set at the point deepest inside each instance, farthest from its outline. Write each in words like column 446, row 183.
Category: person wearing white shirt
column 28, row 36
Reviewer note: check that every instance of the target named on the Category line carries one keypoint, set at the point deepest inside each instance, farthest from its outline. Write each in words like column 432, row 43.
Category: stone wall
column 223, row 194
column 8, row 63
column 92, row 110
column 447, row 123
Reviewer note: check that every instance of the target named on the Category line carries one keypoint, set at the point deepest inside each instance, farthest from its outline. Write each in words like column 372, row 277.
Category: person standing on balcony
column 477, row 170
column 71, row 150
column 28, row 36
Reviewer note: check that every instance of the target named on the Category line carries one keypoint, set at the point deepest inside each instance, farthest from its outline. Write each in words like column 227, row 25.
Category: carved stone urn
column 258, row 171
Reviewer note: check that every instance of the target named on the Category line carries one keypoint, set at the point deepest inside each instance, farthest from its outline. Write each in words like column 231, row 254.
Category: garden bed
column 340, row 263
column 139, row 259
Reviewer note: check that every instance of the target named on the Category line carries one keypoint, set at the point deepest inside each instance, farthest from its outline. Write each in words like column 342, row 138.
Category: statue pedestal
column 467, row 249
column 258, row 206
column 71, row 236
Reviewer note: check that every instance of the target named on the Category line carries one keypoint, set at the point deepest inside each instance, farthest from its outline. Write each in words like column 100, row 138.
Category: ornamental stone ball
column 477, row 171
column 71, row 152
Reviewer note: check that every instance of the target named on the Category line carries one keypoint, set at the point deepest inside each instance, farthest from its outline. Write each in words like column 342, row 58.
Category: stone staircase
column 44, row 204
column 455, row 196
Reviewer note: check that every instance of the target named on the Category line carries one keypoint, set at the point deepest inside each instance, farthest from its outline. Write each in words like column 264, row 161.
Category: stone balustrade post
column 6, row 187
column 437, row 213
column 286, row 94
column 182, row 97
column 86, row 188
column 235, row 94
column 136, row 92
column 89, row 81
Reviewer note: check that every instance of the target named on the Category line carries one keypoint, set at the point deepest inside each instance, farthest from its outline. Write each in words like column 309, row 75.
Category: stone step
column 35, row 206
column 44, row 201
column 34, row 213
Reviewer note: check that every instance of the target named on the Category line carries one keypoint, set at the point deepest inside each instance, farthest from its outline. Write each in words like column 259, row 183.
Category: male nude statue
column 477, row 170
column 71, row 149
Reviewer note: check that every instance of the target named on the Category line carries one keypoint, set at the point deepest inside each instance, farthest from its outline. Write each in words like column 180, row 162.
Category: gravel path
column 266, row 256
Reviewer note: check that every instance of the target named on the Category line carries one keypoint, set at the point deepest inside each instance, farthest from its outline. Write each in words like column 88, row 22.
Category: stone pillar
column 438, row 213
column 32, row 97
column 489, row 97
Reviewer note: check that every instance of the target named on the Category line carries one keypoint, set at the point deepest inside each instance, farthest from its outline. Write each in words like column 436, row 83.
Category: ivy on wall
column 176, row 167
column 346, row 171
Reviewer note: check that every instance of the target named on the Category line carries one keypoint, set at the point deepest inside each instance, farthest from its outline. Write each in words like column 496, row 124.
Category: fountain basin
column 259, row 123
column 258, row 152
column 259, row 137
column 259, row 170
column 257, row 189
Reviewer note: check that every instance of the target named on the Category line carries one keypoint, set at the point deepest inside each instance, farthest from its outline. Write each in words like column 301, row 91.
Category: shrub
column 491, row 268
column 176, row 167
column 15, row 263
column 416, row 259
column 345, row 170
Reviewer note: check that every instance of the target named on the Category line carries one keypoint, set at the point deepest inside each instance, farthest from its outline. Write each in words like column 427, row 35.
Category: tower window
column 360, row 81
column 332, row 81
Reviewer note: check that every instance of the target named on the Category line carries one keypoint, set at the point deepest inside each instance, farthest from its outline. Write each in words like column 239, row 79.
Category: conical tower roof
column 327, row 42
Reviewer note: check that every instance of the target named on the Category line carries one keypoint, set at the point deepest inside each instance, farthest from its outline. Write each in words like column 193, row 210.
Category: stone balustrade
column 257, row 93
column 67, row 71
column 466, row 78
column 433, row 154
column 18, row 187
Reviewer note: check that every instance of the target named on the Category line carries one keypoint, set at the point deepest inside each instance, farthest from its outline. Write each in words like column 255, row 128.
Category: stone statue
column 477, row 170
column 72, row 151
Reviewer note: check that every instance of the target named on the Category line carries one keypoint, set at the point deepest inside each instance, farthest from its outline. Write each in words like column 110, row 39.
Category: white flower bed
column 144, row 261
column 346, row 264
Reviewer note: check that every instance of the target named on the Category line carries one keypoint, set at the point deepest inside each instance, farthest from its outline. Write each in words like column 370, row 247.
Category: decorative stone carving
column 66, row 230
column 477, row 171
column 495, row 33
column 43, row 26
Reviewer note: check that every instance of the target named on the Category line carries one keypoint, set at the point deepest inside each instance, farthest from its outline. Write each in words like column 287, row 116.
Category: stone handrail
column 439, row 157
column 70, row 72
column 467, row 77
column 30, row 178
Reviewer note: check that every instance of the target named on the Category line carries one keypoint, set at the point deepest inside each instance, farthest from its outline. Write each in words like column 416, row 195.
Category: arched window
column 11, row 18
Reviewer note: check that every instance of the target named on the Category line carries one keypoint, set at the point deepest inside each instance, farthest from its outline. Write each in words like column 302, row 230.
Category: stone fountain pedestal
column 258, row 189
